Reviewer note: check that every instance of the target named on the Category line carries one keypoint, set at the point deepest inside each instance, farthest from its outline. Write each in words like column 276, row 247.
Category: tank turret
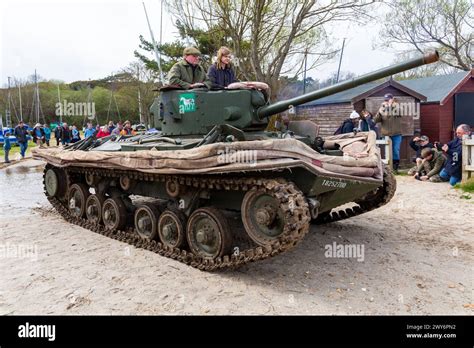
column 196, row 112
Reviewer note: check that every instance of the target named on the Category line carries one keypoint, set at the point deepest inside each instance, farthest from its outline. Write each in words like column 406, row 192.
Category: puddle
column 21, row 189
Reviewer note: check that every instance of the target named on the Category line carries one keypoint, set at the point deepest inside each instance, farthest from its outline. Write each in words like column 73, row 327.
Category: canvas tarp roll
column 228, row 157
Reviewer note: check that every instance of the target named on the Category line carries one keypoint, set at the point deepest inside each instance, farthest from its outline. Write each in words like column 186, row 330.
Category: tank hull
column 255, row 210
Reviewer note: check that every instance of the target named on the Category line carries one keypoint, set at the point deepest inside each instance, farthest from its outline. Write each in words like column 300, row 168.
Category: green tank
column 213, row 188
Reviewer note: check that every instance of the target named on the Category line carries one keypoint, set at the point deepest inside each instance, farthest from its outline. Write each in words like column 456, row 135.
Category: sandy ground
column 418, row 259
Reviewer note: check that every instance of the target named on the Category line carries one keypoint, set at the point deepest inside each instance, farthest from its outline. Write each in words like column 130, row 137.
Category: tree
column 294, row 87
column 269, row 37
column 446, row 25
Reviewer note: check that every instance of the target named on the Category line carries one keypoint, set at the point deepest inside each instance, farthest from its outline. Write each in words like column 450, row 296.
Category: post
column 19, row 95
column 157, row 54
column 387, row 143
column 8, row 116
column 60, row 107
column 389, row 152
column 467, row 159
column 340, row 60
column 304, row 72
column 139, row 97
column 37, row 107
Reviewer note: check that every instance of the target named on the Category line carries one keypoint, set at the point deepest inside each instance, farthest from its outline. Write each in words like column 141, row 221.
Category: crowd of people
column 433, row 162
column 64, row 134
column 439, row 162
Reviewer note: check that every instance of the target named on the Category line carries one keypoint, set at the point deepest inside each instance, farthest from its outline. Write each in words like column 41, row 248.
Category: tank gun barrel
column 283, row 105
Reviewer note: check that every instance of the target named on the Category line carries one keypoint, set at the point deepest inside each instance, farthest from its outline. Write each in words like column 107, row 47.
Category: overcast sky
column 77, row 40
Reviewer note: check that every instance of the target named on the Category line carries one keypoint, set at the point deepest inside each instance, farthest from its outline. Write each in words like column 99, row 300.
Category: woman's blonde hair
column 223, row 51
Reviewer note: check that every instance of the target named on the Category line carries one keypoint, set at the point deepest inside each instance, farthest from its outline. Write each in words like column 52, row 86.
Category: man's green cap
column 191, row 50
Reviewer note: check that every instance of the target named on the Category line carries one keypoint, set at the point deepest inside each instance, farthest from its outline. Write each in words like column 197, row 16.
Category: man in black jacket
column 21, row 134
column 349, row 124
column 57, row 134
column 65, row 134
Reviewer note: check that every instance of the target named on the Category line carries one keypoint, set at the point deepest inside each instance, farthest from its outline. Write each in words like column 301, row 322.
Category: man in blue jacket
column 452, row 171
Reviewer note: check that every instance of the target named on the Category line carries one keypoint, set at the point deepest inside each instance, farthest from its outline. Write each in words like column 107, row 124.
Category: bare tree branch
column 270, row 36
column 442, row 24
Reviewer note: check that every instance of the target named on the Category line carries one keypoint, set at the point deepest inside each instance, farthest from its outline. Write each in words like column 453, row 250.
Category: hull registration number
column 336, row 184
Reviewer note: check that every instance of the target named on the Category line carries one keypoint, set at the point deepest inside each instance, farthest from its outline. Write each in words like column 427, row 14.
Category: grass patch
column 468, row 186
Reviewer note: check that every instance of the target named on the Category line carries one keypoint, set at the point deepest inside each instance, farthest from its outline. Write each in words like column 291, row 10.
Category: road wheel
column 77, row 197
column 208, row 233
column 114, row 213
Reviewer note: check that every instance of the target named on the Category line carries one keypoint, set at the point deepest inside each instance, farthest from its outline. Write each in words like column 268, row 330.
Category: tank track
column 285, row 191
column 370, row 201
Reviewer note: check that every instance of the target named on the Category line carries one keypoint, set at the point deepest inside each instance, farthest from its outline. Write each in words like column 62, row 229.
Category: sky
column 72, row 40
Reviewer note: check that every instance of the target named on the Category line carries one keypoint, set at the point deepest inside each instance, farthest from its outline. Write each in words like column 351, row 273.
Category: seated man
column 349, row 124
column 188, row 73
column 418, row 144
column 452, row 171
column 431, row 165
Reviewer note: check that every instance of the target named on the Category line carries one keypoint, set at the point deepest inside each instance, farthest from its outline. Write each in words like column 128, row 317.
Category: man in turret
column 188, row 73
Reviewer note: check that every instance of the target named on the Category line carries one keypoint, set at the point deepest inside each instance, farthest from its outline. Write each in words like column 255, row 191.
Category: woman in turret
column 221, row 73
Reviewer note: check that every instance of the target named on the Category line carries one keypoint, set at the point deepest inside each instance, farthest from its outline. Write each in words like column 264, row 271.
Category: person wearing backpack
column 349, row 124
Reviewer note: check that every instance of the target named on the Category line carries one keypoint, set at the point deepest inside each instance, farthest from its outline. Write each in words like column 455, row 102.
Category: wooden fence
column 387, row 156
column 467, row 159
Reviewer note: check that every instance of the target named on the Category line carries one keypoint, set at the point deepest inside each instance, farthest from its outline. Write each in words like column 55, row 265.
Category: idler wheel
column 94, row 206
column 146, row 220
column 77, row 197
column 208, row 233
column 114, row 213
column 171, row 228
column 55, row 182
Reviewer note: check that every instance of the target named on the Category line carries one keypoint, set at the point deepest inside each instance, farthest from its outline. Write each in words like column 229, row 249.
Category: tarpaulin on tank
column 362, row 157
